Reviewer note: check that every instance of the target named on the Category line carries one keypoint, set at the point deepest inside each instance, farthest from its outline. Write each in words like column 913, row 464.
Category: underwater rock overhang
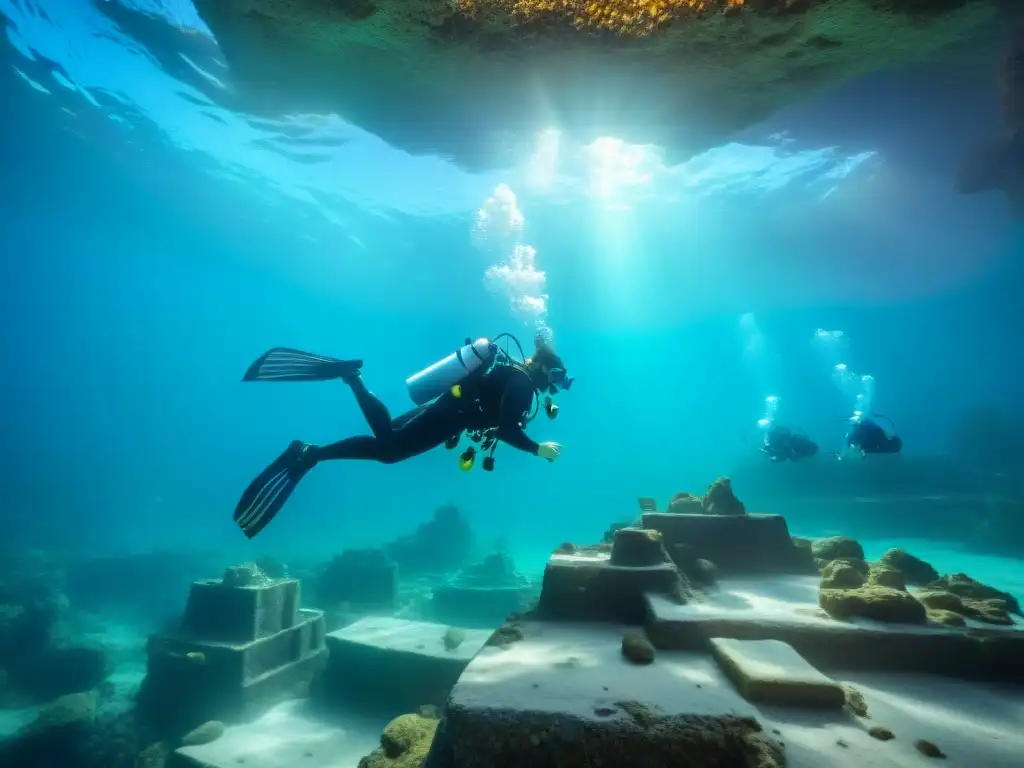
column 470, row 79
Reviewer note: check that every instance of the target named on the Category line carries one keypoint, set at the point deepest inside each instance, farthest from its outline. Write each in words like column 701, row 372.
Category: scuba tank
column 435, row 380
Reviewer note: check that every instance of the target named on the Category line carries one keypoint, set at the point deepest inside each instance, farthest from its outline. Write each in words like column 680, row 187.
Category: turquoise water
column 157, row 240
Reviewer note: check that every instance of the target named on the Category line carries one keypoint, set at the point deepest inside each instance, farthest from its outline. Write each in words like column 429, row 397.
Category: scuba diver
column 479, row 389
column 781, row 443
column 866, row 436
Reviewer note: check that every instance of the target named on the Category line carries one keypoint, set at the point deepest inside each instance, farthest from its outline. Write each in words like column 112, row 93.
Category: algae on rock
column 408, row 70
column 404, row 743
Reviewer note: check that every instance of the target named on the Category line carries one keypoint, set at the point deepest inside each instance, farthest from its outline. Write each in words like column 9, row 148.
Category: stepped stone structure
column 240, row 650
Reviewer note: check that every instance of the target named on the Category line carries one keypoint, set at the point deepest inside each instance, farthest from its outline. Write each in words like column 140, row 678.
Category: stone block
column 190, row 681
column 785, row 608
column 737, row 544
column 392, row 666
column 232, row 614
column 564, row 696
column 589, row 588
column 772, row 672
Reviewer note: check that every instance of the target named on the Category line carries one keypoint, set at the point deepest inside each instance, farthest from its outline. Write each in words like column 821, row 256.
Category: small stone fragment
column 855, row 700
column 453, row 637
column 841, row 743
column 929, row 749
column 881, row 733
column 637, row 648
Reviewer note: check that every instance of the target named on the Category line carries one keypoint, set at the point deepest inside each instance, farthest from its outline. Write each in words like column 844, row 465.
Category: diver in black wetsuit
column 866, row 436
column 782, row 444
column 476, row 389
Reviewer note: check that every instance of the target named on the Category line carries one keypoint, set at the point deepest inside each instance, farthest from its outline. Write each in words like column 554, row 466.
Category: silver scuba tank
column 440, row 377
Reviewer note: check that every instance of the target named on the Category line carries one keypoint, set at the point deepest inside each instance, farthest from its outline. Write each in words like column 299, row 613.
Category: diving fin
column 284, row 364
column 267, row 494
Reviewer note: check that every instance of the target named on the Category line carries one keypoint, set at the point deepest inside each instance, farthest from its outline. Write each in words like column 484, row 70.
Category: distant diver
column 479, row 389
column 783, row 444
column 867, row 437
column 998, row 164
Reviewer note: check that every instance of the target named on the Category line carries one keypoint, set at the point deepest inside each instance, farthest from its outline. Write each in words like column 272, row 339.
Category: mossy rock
column 835, row 547
column 637, row 648
column 721, row 500
column 914, row 569
column 841, row 574
column 638, row 548
column 945, row 618
column 886, row 577
column 404, row 743
column 965, row 587
column 873, row 602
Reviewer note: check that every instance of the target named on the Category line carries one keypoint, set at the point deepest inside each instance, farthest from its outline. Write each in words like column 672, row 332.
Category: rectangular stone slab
column 771, row 671
column 393, row 666
column 737, row 544
column 785, row 608
column 565, row 696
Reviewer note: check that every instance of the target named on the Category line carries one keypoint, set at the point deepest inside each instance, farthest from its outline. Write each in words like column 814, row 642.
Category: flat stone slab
column 785, row 608
column 772, row 672
column 564, row 684
column 394, row 666
column 287, row 736
column 400, row 636
column 565, row 691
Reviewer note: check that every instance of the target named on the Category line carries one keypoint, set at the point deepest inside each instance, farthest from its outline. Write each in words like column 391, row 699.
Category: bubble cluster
column 497, row 229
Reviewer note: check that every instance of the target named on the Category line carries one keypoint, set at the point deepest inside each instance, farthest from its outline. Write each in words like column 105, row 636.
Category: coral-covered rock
column 441, row 545
column 945, row 618
column 842, row 574
column 359, row 577
column 686, row 504
column 52, row 672
column 886, row 577
column 991, row 611
column 873, row 602
column 720, row 499
column 638, row 548
column 835, row 547
column 404, row 743
column 914, row 570
column 965, row 587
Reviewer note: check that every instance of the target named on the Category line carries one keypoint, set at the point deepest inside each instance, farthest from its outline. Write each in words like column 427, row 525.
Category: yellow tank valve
column 467, row 458
column 457, row 391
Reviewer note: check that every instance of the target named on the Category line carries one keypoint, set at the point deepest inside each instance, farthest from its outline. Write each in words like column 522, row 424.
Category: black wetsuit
column 497, row 400
column 871, row 438
column 781, row 444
